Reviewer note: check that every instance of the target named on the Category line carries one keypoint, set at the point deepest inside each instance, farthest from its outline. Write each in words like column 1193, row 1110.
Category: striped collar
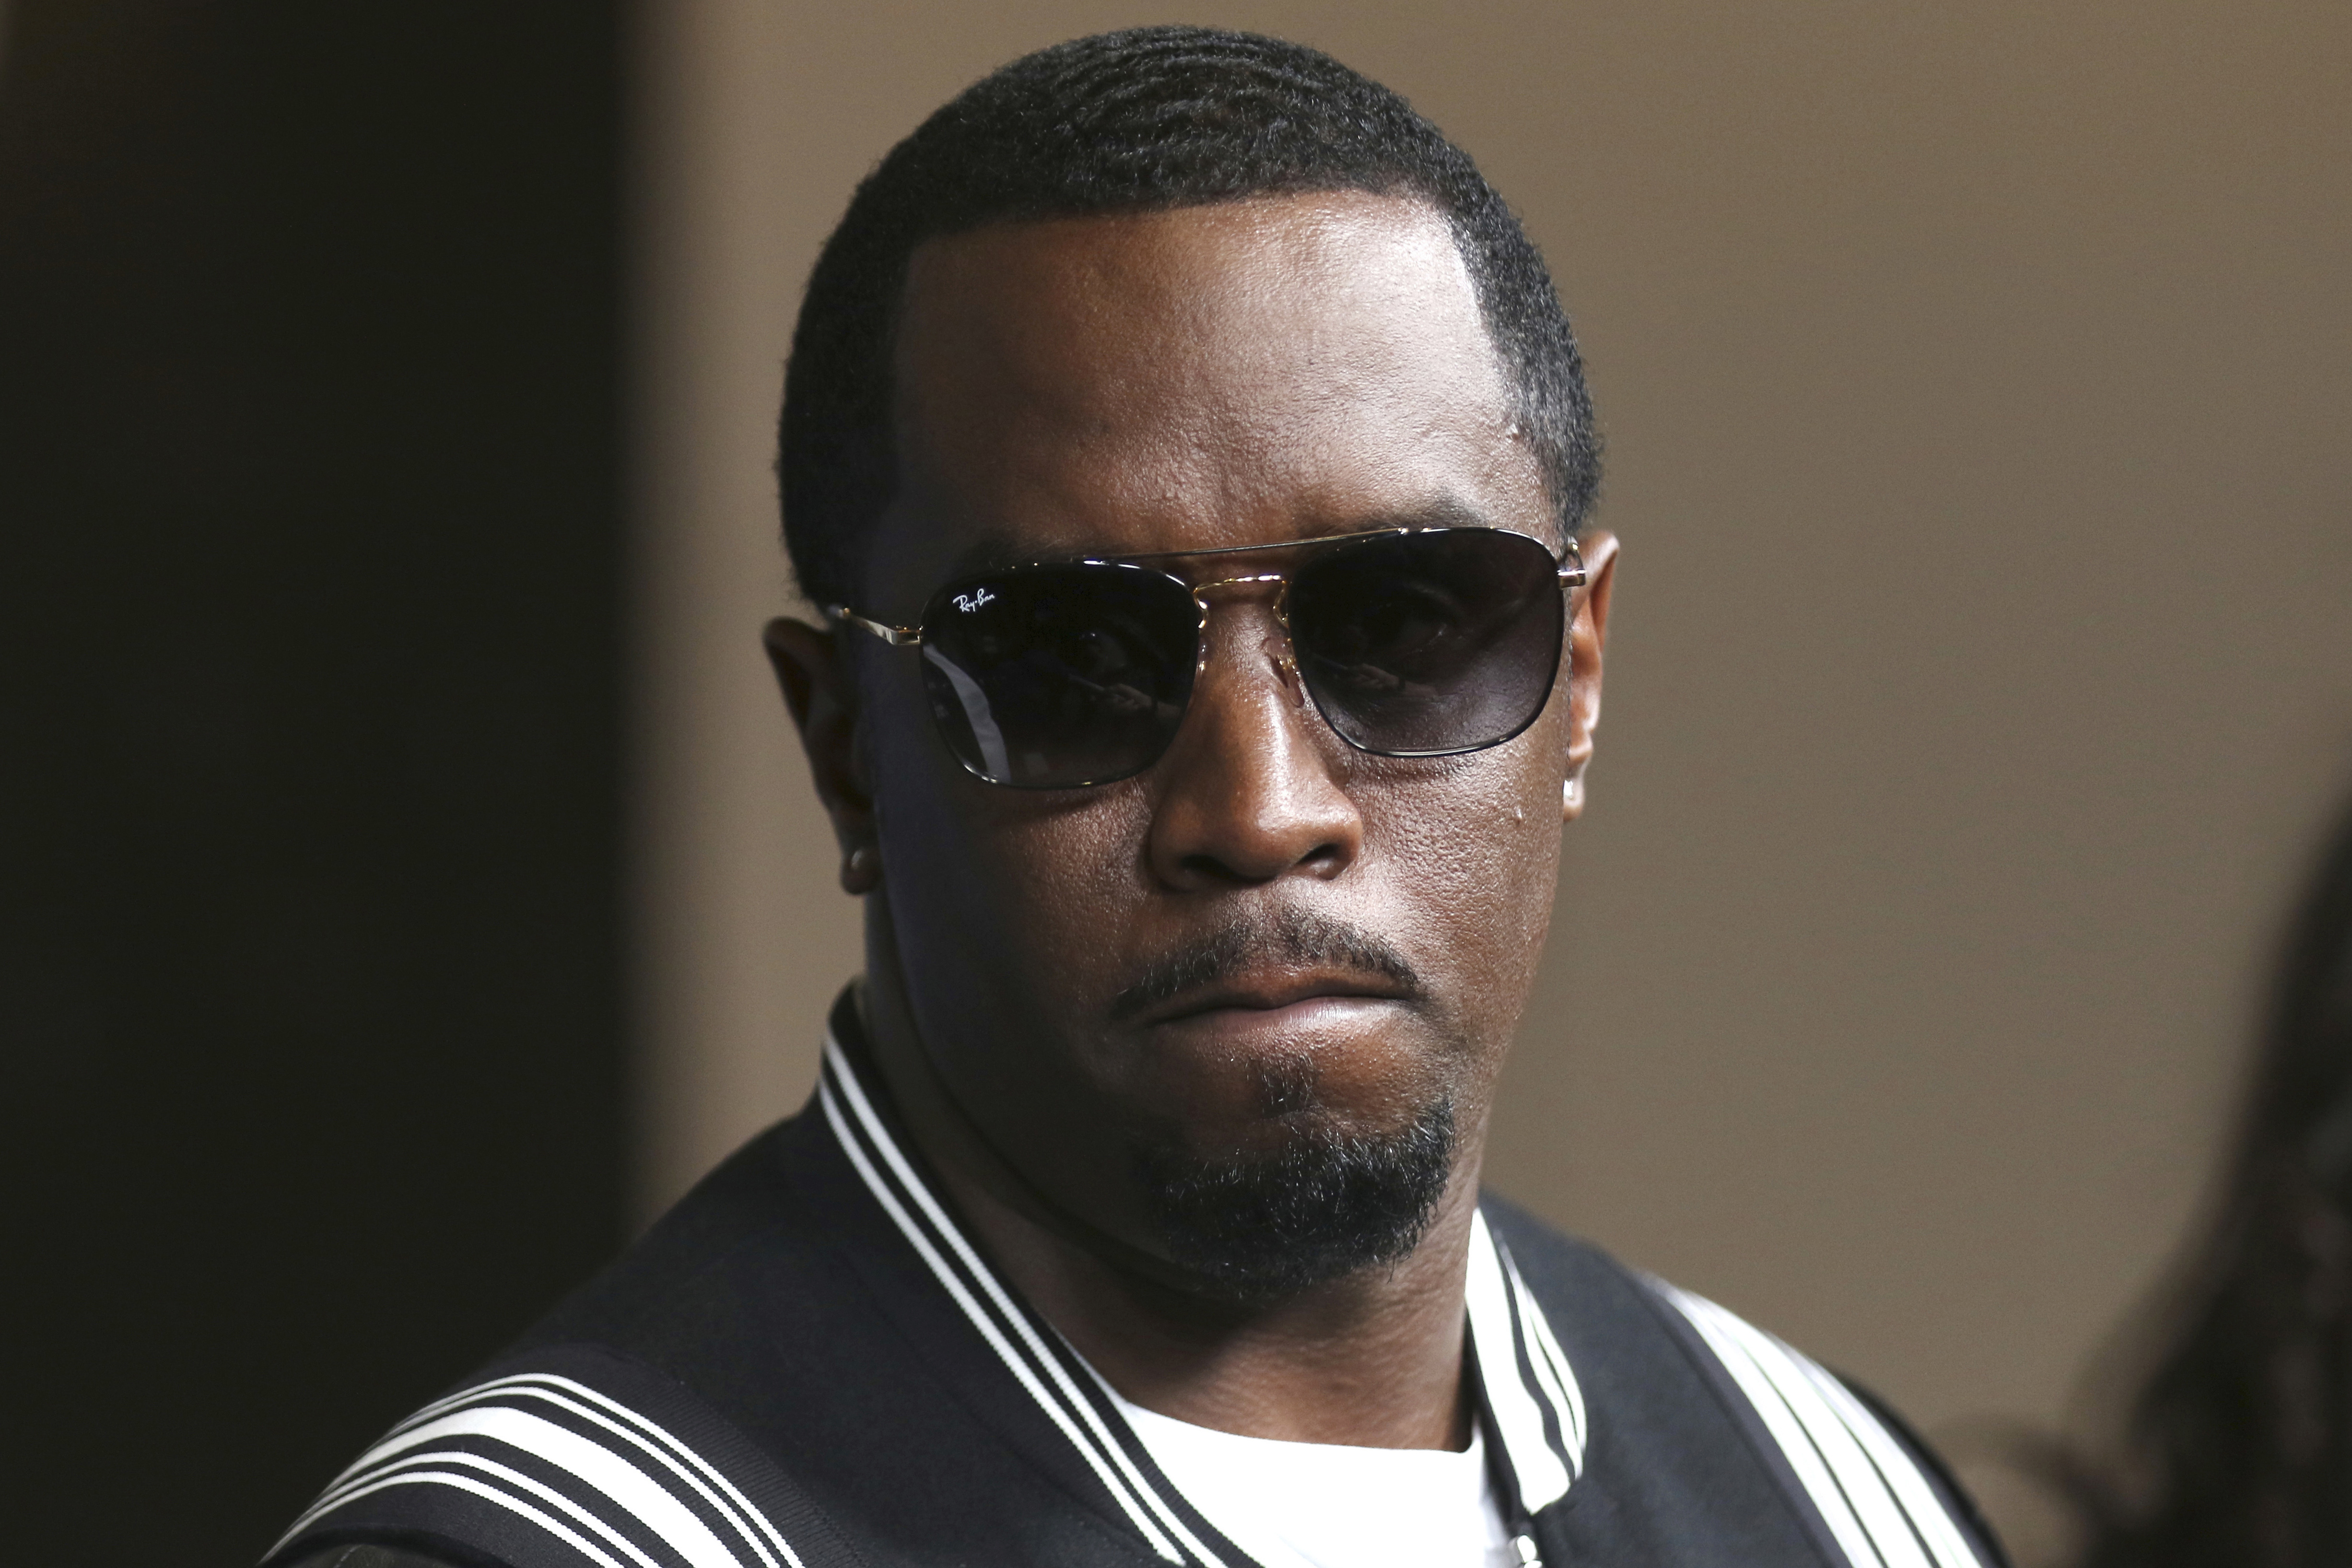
column 1528, row 1396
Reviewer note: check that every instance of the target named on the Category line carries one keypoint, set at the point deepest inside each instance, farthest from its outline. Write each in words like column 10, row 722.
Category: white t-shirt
column 1326, row 1505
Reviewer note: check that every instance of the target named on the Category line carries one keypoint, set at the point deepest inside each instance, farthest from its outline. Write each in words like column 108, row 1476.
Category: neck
column 1373, row 1359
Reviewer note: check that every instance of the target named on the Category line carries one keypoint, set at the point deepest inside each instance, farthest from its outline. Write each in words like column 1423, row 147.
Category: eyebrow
column 996, row 552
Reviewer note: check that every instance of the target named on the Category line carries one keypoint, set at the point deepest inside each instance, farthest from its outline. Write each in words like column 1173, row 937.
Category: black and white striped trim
column 1531, row 1394
column 1532, row 1398
column 601, row 1479
column 1028, row 1349
column 1879, row 1507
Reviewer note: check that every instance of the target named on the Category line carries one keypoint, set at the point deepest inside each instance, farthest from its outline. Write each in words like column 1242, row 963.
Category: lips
column 1257, row 1000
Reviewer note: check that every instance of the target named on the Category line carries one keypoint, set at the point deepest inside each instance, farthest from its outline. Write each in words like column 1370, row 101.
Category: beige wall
column 1976, row 383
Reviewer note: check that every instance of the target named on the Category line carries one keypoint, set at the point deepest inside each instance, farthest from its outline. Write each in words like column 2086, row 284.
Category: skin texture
column 1262, row 371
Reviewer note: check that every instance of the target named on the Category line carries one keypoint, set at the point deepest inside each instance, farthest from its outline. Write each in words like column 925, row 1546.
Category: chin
column 1313, row 1200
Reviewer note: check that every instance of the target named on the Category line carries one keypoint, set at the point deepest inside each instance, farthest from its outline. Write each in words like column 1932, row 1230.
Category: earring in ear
column 860, row 869
column 1571, row 794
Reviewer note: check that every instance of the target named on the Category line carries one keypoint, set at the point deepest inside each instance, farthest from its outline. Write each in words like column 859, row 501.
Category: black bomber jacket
column 809, row 1363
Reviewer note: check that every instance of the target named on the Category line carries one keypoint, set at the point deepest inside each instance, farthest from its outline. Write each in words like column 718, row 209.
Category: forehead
column 1209, row 376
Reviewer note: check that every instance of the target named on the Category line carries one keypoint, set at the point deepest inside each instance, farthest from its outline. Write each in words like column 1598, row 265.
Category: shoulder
column 1742, row 1414
column 606, row 1422
column 746, row 1209
column 563, row 1455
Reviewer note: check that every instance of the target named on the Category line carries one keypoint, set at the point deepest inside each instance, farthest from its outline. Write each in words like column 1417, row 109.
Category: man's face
column 1267, row 942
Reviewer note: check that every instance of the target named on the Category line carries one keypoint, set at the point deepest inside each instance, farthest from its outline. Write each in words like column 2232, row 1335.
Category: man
column 1194, row 461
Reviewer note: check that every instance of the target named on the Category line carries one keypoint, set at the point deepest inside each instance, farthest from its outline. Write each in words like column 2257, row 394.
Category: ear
column 823, row 701
column 1588, row 632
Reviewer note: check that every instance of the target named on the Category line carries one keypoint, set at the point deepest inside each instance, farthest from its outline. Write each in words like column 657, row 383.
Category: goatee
column 1325, row 1206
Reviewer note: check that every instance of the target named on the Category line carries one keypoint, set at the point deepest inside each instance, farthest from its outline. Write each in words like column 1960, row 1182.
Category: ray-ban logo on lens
column 968, row 603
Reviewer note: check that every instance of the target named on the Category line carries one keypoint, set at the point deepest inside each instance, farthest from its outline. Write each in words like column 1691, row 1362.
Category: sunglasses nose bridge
column 1280, row 605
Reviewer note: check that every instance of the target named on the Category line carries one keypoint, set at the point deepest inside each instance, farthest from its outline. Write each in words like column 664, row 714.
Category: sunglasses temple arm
column 1571, row 570
column 896, row 637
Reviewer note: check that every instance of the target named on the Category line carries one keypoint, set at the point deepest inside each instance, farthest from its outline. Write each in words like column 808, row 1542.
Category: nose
column 1248, row 791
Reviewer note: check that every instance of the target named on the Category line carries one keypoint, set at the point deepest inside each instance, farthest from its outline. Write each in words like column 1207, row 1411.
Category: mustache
column 1293, row 937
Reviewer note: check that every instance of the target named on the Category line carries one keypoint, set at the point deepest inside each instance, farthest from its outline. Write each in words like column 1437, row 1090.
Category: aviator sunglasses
column 1412, row 642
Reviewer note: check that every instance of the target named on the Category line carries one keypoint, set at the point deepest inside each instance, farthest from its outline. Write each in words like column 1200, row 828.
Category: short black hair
column 1145, row 119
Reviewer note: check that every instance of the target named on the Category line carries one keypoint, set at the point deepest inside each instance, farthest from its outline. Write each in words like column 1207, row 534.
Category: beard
column 1258, row 1228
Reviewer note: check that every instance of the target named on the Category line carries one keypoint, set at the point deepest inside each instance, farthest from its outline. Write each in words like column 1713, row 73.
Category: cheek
column 1472, row 853
column 997, row 886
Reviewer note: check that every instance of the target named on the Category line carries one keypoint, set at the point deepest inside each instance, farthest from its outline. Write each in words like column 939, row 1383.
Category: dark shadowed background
column 408, row 882
column 310, row 1043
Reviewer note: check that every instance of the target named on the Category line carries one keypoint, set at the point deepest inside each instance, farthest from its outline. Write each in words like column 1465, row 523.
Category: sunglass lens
column 1053, row 677
column 1432, row 643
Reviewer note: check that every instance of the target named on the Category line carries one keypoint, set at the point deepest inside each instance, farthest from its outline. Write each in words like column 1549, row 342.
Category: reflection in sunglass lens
column 1053, row 677
column 1432, row 643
